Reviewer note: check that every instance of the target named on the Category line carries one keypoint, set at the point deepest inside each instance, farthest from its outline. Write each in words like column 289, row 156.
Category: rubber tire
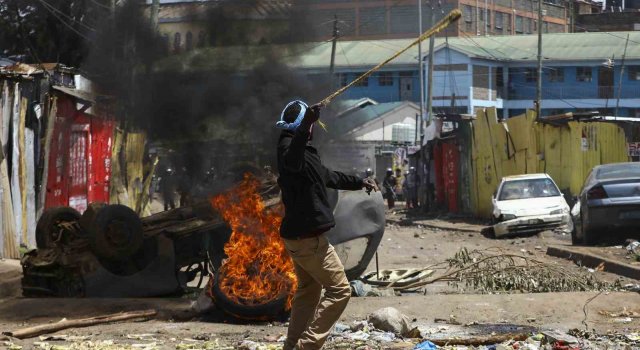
column 47, row 221
column 100, row 243
column 89, row 215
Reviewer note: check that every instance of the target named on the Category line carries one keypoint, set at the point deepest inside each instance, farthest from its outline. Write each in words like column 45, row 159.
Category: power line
column 68, row 17
column 67, row 24
column 609, row 33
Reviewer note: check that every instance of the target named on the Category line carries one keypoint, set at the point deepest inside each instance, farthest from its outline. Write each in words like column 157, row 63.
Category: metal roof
column 364, row 54
column 358, row 118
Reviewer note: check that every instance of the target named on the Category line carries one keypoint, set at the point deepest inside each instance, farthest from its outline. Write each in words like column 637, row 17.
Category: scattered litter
column 359, row 335
column 144, row 336
column 623, row 313
column 557, row 336
column 340, row 328
column 623, row 320
column 361, row 289
column 382, row 336
column 425, row 345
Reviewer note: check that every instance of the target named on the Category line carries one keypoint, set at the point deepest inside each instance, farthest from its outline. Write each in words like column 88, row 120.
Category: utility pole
column 539, row 85
column 421, row 68
column 333, row 45
column 432, row 41
column 624, row 53
column 155, row 9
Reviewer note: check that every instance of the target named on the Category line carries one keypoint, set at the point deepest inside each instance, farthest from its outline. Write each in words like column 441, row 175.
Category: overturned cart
column 109, row 251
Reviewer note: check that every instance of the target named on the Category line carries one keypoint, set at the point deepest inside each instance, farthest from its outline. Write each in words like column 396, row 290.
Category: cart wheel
column 89, row 215
column 47, row 229
column 115, row 233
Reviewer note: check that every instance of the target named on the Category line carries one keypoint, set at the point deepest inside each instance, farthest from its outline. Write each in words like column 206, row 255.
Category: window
column 363, row 82
column 531, row 75
column 189, row 41
column 634, row 72
column 201, row 38
column 556, row 75
column 519, row 24
column 498, row 20
column 509, row 24
column 165, row 43
column 467, row 12
column 528, row 188
column 528, row 25
column 583, row 74
column 177, row 42
column 488, row 19
column 385, row 79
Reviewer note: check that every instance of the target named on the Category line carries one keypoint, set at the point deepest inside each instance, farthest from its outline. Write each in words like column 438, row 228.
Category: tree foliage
column 36, row 31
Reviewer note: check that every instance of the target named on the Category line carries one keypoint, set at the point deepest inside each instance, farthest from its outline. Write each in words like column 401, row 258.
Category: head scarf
column 282, row 124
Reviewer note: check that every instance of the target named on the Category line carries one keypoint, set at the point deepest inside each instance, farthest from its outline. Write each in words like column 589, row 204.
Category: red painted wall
column 79, row 159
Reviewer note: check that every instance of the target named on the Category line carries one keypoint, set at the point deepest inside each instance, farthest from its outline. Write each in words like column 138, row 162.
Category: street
column 407, row 243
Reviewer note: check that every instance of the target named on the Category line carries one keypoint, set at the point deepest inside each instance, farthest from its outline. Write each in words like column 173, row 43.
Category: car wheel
column 47, row 231
column 115, row 233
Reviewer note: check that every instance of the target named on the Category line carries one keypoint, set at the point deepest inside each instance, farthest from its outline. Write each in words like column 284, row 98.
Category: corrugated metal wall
column 522, row 146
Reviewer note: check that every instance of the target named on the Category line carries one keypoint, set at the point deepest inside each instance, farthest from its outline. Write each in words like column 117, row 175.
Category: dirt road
column 405, row 245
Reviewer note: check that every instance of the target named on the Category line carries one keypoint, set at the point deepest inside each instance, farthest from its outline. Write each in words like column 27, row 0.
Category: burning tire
column 115, row 233
column 48, row 230
column 274, row 309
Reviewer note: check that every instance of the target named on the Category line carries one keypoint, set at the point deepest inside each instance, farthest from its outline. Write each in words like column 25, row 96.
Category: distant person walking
column 308, row 215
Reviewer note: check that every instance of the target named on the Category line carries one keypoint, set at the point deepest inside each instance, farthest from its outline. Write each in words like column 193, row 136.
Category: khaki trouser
column 318, row 267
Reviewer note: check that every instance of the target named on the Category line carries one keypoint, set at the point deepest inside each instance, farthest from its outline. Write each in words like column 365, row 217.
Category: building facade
column 386, row 19
column 186, row 25
column 581, row 72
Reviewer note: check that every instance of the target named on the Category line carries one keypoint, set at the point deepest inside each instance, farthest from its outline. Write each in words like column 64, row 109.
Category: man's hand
column 369, row 185
column 311, row 115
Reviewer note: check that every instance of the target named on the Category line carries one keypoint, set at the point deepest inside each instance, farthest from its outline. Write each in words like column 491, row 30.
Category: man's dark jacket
column 304, row 181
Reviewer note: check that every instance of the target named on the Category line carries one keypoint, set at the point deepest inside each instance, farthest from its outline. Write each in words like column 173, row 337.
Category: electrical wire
column 68, row 17
column 68, row 25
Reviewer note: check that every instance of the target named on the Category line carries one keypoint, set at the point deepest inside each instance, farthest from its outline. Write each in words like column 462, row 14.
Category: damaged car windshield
column 532, row 188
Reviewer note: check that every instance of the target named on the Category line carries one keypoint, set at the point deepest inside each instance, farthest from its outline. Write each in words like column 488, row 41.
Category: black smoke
column 215, row 106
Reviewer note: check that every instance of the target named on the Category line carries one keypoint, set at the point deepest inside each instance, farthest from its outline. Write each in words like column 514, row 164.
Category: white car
column 527, row 204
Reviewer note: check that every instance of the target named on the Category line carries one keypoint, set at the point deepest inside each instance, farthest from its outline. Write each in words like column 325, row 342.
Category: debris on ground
column 634, row 250
column 361, row 289
column 494, row 270
column 35, row 331
column 389, row 319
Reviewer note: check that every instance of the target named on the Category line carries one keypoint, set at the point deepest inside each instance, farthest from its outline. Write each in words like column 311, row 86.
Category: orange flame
column 259, row 268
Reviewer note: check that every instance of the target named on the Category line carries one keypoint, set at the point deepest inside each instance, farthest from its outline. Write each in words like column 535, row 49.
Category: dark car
column 608, row 203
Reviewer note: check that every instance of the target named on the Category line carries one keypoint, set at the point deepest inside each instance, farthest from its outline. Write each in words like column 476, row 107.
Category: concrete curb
column 593, row 260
